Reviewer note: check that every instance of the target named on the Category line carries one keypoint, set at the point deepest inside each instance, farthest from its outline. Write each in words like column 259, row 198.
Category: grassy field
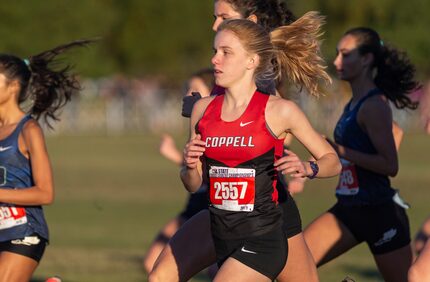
column 114, row 193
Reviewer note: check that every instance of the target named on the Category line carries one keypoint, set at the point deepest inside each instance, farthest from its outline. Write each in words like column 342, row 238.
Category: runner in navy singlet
column 239, row 136
column 25, row 171
column 368, row 209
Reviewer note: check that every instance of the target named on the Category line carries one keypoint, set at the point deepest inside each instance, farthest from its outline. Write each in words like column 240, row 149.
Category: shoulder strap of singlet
column 213, row 109
column 19, row 127
column 258, row 103
column 262, row 96
column 371, row 93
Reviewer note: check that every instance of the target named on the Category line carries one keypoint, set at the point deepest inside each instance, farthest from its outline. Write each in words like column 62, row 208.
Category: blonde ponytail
column 297, row 52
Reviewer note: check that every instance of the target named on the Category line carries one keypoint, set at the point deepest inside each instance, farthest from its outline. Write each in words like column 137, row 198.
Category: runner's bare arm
column 286, row 117
column 42, row 193
column 190, row 174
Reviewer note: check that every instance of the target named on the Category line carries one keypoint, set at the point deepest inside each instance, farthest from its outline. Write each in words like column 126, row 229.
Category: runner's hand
column 193, row 150
column 291, row 165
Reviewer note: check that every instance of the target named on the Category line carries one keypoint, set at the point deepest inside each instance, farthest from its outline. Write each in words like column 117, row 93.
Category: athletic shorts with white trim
column 384, row 227
column 265, row 253
column 32, row 246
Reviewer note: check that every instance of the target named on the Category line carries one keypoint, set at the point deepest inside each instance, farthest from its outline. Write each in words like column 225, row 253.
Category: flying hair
column 51, row 84
column 291, row 51
column 298, row 55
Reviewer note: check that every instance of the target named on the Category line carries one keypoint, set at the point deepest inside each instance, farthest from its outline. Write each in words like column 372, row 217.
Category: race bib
column 348, row 181
column 232, row 189
column 11, row 217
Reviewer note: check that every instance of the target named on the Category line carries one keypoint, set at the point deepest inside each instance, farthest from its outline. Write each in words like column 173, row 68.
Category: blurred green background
column 173, row 38
column 114, row 190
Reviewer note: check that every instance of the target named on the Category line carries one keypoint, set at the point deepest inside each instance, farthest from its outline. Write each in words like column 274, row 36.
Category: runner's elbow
column 337, row 168
column 47, row 198
column 392, row 170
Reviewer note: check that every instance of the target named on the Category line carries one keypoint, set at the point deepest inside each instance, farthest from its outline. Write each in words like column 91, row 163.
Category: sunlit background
column 114, row 190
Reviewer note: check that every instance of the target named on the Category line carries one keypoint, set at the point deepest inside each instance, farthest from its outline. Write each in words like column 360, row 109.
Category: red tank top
column 238, row 164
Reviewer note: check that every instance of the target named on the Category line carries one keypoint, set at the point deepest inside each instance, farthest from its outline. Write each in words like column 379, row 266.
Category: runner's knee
column 157, row 276
column 413, row 275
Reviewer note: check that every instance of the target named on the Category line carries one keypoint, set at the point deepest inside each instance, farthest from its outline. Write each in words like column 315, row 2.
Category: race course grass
column 114, row 193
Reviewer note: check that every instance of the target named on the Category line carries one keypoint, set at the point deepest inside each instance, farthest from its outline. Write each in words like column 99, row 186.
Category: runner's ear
column 253, row 62
column 253, row 18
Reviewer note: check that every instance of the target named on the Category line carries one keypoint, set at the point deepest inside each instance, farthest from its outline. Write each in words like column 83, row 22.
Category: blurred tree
column 165, row 36
column 29, row 27
column 173, row 38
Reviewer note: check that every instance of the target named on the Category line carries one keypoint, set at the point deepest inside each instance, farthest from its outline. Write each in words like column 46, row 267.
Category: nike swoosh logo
column 242, row 124
column 2, row 149
column 247, row 251
column 28, row 241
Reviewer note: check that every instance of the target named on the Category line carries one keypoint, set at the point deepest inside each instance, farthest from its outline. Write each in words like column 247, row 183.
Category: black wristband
column 188, row 103
column 315, row 169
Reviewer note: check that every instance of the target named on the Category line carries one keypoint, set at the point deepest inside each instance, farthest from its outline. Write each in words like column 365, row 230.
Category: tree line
column 171, row 39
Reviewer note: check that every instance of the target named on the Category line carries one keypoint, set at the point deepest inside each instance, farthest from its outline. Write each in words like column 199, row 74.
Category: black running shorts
column 32, row 246
column 384, row 227
column 292, row 223
column 265, row 253
column 196, row 202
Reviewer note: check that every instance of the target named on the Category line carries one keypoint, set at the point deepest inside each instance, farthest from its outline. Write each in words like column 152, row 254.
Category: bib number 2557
column 232, row 189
